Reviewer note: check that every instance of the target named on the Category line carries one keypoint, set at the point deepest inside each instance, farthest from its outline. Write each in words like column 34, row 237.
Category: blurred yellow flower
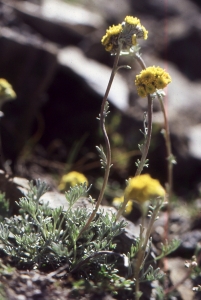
column 142, row 188
column 119, row 200
column 71, row 179
column 6, row 90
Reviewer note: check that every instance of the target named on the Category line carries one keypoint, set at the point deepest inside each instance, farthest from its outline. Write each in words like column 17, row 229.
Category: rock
column 194, row 141
column 95, row 75
column 28, row 63
column 178, row 271
column 189, row 242
column 58, row 21
column 14, row 189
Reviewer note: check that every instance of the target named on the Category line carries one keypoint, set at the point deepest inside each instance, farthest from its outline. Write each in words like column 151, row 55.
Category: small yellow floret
column 160, row 83
column 141, row 91
column 119, row 200
column 142, row 188
column 71, row 179
column 150, row 88
column 146, row 77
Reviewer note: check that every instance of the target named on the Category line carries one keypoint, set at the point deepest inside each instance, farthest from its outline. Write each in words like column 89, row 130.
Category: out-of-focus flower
column 125, row 34
column 71, row 179
column 119, row 200
column 6, row 91
column 151, row 79
column 142, row 188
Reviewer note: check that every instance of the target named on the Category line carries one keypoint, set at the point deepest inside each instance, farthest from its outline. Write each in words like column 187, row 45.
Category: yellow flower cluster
column 110, row 39
column 71, row 179
column 139, row 31
column 6, row 90
column 140, row 189
column 125, row 34
column 151, row 79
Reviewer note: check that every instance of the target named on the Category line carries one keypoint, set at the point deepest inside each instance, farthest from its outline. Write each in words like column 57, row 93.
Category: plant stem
column 148, row 136
column 142, row 250
column 147, row 140
column 149, row 115
column 107, row 142
column 168, row 147
column 169, row 172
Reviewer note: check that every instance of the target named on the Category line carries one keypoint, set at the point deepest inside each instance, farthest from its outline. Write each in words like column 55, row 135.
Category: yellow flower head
column 132, row 30
column 118, row 201
column 6, row 90
column 151, row 79
column 71, row 179
column 141, row 91
column 125, row 34
column 150, row 88
column 142, row 188
column 110, row 39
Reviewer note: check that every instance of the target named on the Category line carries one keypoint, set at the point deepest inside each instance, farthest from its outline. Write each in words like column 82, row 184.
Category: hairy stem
column 149, row 115
column 107, row 142
column 147, row 140
column 148, row 136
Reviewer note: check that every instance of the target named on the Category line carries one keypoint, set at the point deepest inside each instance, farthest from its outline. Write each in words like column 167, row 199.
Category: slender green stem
column 142, row 250
column 148, row 136
column 107, row 142
column 149, row 115
column 169, row 171
column 147, row 140
column 168, row 147
column 140, row 61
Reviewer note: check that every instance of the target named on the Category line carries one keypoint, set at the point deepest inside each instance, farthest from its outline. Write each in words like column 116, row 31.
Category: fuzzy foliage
column 41, row 237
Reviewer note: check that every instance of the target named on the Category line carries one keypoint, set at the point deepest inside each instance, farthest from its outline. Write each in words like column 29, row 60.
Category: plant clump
column 45, row 238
